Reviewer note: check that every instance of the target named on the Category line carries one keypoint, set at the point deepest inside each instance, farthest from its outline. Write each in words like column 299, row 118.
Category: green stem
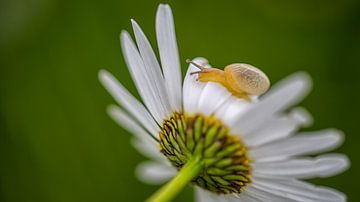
column 168, row 192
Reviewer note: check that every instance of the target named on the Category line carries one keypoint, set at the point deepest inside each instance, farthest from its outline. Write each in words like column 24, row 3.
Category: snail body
column 242, row 80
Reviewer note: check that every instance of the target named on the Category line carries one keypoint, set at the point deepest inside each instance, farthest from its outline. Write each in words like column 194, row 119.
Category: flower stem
column 168, row 192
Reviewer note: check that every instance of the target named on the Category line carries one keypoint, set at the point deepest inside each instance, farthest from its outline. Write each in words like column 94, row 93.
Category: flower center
column 226, row 165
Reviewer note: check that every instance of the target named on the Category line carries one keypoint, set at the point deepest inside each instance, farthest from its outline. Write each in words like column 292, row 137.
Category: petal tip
column 337, row 135
column 304, row 79
column 124, row 34
column 134, row 23
column 104, row 76
column 102, row 73
column 111, row 109
column 302, row 116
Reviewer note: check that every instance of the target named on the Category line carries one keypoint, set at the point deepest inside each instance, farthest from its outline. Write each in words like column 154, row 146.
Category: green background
column 58, row 145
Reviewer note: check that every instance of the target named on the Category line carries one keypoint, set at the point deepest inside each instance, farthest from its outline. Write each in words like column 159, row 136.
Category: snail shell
column 246, row 78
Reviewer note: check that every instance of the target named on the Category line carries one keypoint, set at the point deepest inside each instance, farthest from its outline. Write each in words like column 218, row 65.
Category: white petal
column 212, row 97
column 302, row 116
column 263, row 195
column 149, row 150
column 248, row 197
column 298, row 190
column 202, row 195
column 301, row 144
column 304, row 168
column 250, row 194
column 192, row 89
column 231, row 109
column 165, row 34
column 155, row 173
column 277, row 127
column 127, row 101
column 143, row 80
column 146, row 145
column 243, row 196
column 129, row 124
column 152, row 69
column 284, row 94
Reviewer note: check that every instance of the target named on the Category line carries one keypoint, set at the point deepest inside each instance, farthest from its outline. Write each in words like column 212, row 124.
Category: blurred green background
column 58, row 145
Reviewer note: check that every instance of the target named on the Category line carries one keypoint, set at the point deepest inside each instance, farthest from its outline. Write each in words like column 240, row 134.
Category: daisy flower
column 215, row 131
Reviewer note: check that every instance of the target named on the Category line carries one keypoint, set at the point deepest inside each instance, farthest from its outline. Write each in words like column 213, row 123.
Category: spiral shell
column 247, row 78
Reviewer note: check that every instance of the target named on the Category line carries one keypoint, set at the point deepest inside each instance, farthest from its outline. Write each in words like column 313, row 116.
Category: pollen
column 226, row 164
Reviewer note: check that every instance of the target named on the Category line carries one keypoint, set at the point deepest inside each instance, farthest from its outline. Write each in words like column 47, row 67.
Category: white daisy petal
column 152, row 69
column 248, row 197
column 244, row 196
column 129, row 124
column 277, row 127
column 143, row 81
column 302, row 116
column 149, row 150
column 212, row 97
column 301, row 144
column 192, row 89
column 206, row 196
column 264, row 196
column 202, row 195
column 304, row 168
column 143, row 142
column 284, row 94
column 298, row 190
column 152, row 172
column 165, row 34
column 231, row 109
column 126, row 100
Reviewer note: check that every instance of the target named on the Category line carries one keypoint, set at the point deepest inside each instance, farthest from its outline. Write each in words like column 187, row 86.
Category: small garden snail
column 242, row 80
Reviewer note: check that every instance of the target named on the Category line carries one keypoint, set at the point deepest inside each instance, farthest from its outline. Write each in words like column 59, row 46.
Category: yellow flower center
column 226, row 165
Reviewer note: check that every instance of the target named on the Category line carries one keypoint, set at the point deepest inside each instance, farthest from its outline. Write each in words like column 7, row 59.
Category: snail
column 242, row 80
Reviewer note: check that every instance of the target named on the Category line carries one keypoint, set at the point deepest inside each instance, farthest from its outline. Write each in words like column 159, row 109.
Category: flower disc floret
column 226, row 167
